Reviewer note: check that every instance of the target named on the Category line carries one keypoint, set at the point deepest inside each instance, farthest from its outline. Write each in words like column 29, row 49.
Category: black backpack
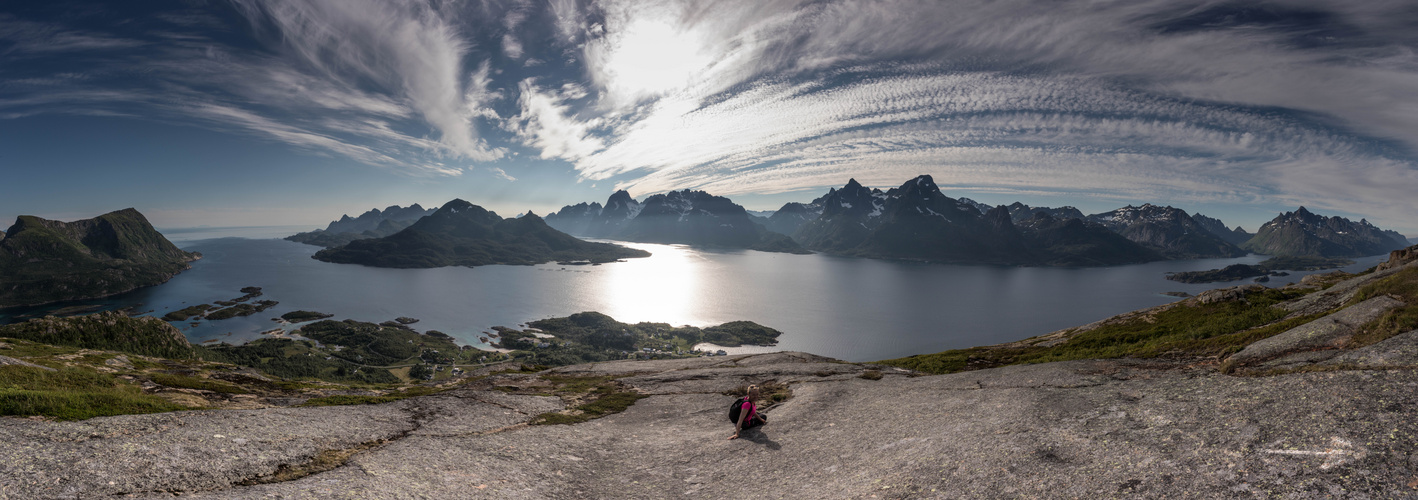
column 736, row 409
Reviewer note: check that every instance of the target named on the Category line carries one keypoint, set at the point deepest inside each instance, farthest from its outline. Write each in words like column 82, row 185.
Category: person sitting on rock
column 749, row 417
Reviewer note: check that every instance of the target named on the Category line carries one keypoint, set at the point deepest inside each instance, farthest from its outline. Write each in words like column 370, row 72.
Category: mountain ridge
column 44, row 261
column 463, row 234
column 1304, row 233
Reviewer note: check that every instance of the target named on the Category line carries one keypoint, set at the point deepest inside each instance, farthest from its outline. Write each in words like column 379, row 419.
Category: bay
column 846, row 308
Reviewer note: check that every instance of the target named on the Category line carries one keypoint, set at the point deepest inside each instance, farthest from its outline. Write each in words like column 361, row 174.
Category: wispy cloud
column 1163, row 100
column 1195, row 100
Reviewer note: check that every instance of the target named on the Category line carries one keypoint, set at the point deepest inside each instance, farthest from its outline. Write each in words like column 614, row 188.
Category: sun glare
column 660, row 289
column 652, row 56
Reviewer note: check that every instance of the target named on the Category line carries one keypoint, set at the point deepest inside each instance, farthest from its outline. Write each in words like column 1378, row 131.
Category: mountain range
column 463, row 234
column 1304, row 233
column 684, row 217
column 44, row 261
column 1170, row 231
column 372, row 224
column 916, row 221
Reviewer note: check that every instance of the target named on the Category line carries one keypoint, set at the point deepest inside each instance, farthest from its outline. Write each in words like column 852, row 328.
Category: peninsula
column 464, row 234
column 44, row 261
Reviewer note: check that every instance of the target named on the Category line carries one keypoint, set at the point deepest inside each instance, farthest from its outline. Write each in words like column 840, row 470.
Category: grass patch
column 188, row 382
column 607, row 404
column 1404, row 285
column 605, row 395
column 771, row 391
column 72, row 394
column 871, row 375
column 1186, row 330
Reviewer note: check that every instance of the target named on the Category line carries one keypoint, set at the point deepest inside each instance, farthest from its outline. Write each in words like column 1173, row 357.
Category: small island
column 592, row 336
column 303, row 316
column 224, row 309
column 1273, row 266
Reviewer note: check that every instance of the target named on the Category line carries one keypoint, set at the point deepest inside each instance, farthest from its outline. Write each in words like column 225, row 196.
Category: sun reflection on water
column 665, row 288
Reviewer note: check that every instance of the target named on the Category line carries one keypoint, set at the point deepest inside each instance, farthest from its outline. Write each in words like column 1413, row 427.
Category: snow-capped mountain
column 1170, row 231
column 1304, row 233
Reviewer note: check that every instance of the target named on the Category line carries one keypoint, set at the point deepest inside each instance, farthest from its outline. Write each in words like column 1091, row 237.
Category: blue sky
column 262, row 112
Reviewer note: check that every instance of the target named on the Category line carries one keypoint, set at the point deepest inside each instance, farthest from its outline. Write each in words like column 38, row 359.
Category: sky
column 292, row 112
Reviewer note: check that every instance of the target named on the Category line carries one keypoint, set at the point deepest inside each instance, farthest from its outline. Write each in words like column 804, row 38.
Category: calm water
column 852, row 309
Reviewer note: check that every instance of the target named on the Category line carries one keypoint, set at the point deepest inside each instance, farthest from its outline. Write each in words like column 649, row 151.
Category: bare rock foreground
column 1061, row 430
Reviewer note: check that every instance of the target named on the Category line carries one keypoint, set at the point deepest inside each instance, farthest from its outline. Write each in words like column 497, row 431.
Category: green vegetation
column 241, row 310
column 190, row 382
column 605, row 397
column 1403, row 285
column 111, row 331
column 371, row 344
column 1229, row 273
column 186, row 312
column 771, row 392
column 1295, row 263
column 736, row 333
column 1185, row 330
column 72, row 394
column 291, row 359
column 590, row 337
column 303, row 316
column 1269, row 266
column 464, row 234
column 43, row 261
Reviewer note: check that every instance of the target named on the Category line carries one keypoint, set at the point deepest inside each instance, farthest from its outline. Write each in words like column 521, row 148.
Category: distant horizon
column 506, row 214
column 320, row 224
column 264, row 112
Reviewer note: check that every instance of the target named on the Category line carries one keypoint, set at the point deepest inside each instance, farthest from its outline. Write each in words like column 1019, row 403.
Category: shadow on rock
column 759, row 437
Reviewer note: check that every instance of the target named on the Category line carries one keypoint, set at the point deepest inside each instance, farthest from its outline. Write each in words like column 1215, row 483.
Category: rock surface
column 6, row 360
column 1329, row 332
column 1061, row 430
column 1398, row 258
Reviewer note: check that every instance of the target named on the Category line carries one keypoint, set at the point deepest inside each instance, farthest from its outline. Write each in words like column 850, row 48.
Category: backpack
column 736, row 409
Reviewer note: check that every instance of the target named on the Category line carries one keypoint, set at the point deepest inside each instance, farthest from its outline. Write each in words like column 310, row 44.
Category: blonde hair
column 751, row 389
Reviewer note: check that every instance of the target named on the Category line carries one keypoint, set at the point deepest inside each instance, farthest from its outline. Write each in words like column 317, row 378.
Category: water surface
column 847, row 308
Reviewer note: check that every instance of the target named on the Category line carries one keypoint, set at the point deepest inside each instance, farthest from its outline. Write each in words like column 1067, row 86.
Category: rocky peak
column 999, row 218
column 922, row 188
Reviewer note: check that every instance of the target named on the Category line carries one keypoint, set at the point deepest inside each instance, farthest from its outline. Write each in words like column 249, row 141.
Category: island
column 1273, row 266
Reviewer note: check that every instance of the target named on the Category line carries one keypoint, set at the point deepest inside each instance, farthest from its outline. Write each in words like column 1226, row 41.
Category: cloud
column 406, row 47
column 1262, row 103
column 544, row 124
column 1152, row 100
column 501, row 174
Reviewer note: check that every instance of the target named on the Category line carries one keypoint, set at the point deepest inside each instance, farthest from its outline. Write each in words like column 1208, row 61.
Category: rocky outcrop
column 9, row 361
column 1398, row 258
column 1071, row 429
column 1330, row 332
column 1227, row 294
